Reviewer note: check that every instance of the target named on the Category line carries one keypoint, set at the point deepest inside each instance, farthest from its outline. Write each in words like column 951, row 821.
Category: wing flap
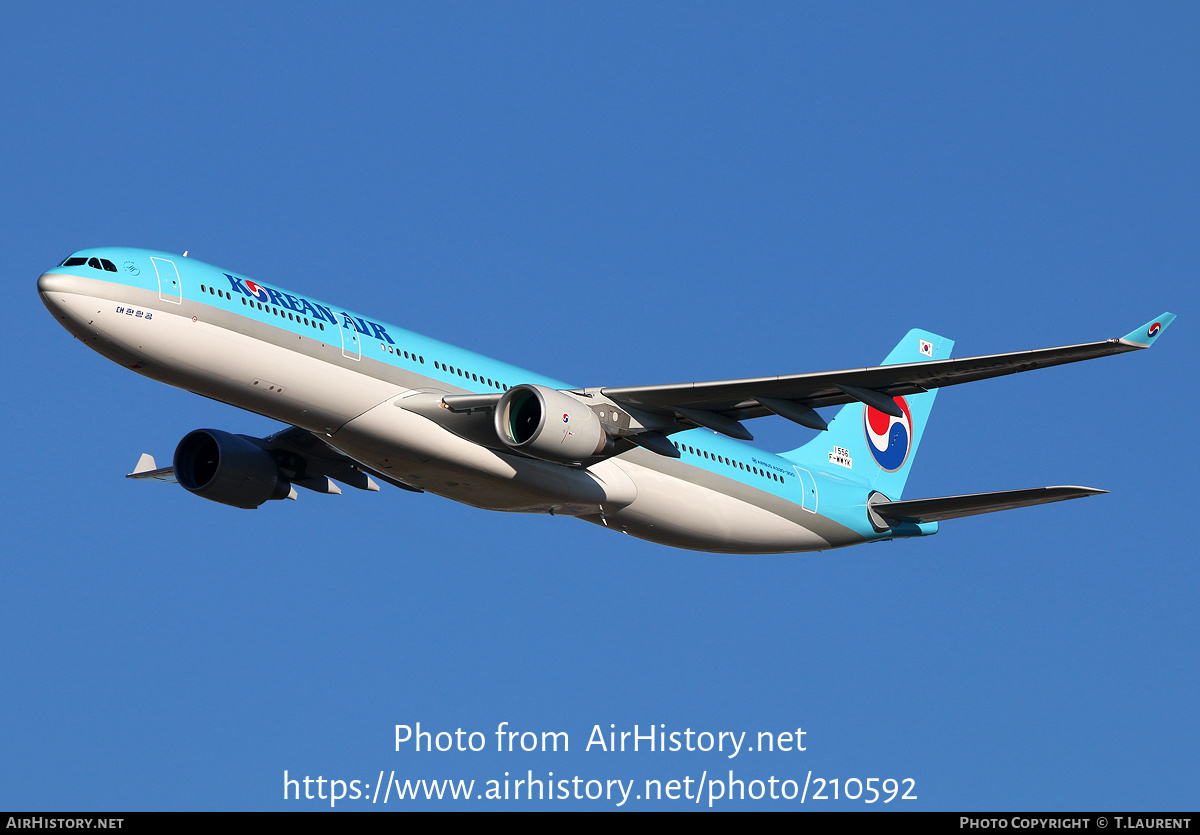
column 306, row 460
column 955, row 507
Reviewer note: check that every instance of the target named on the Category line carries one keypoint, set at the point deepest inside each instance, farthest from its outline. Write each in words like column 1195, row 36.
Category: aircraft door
column 351, row 340
column 808, row 489
column 169, row 289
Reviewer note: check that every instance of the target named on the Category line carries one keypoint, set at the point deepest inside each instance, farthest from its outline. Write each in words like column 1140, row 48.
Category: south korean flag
column 926, row 349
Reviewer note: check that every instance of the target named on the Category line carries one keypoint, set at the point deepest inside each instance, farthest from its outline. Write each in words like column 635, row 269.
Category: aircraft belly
column 418, row 451
column 686, row 515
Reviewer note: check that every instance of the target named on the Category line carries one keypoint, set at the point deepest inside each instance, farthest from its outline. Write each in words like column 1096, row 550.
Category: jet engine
column 229, row 469
column 549, row 424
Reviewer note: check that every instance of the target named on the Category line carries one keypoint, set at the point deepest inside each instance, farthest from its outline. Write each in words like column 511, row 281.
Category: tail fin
column 877, row 447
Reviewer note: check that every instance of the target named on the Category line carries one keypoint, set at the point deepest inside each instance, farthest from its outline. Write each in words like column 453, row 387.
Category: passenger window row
column 266, row 308
column 487, row 381
column 732, row 462
column 225, row 294
column 383, row 346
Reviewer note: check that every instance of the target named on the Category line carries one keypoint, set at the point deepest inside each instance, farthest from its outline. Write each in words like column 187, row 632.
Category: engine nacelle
column 549, row 424
column 226, row 468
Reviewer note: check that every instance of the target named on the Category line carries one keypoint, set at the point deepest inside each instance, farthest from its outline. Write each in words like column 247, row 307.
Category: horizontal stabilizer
column 147, row 469
column 954, row 507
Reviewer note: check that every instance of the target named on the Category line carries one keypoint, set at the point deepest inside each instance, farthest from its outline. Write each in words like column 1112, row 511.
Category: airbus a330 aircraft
column 367, row 400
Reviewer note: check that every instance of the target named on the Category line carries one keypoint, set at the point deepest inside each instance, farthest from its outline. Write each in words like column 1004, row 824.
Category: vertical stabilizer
column 873, row 446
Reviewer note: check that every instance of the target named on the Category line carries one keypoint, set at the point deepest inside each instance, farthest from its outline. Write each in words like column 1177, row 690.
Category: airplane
column 369, row 402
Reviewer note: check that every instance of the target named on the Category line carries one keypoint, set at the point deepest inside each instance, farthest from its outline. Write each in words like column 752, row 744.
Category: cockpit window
column 94, row 263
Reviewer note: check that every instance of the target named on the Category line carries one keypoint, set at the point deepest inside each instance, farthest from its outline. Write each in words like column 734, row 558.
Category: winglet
column 1145, row 335
column 145, row 464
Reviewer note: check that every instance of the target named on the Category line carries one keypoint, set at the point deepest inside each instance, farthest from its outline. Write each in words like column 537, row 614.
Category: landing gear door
column 351, row 341
column 168, row 280
column 808, row 489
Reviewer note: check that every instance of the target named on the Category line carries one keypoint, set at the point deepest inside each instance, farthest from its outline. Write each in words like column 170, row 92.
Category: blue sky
column 613, row 194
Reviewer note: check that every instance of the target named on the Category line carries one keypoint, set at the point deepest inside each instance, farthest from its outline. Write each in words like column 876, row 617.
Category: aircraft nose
column 54, row 283
column 59, row 292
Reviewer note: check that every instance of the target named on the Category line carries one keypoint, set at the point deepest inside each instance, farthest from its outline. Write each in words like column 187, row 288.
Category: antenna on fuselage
column 185, row 253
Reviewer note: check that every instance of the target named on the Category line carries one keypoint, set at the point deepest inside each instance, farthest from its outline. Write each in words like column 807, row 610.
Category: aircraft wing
column 304, row 459
column 721, row 403
column 318, row 460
